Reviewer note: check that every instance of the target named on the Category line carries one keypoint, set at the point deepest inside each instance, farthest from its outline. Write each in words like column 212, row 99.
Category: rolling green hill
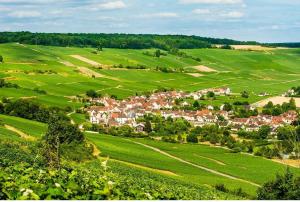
column 41, row 67
column 248, row 172
column 55, row 76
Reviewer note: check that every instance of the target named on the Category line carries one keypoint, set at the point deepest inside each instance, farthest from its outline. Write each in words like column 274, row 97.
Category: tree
column 245, row 94
column 192, row 138
column 226, row 46
column 284, row 133
column 114, row 97
column 264, row 131
column 59, row 132
column 292, row 104
column 226, row 133
column 92, row 94
column 148, row 127
column 1, row 59
column 157, row 53
column 2, row 83
column 227, row 107
column 284, row 187
column 211, row 94
column 99, row 47
column 1, row 108
column 196, row 105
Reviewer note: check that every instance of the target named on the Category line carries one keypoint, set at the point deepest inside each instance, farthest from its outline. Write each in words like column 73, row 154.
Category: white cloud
column 275, row 27
column 201, row 11
column 161, row 15
column 233, row 14
column 211, row 1
column 111, row 5
column 26, row 2
column 4, row 9
column 25, row 14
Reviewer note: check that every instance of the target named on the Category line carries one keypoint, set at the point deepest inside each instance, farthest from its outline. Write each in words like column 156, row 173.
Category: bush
column 284, row 187
column 221, row 187
column 192, row 138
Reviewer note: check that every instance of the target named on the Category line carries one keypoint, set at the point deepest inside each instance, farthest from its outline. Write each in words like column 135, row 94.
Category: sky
column 247, row 20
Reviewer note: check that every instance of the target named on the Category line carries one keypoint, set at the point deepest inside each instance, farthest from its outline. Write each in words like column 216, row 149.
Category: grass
column 8, row 135
column 255, row 71
column 252, row 168
column 78, row 118
column 32, row 128
column 243, row 166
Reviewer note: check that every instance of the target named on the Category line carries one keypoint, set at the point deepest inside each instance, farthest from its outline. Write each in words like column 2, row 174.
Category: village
column 116, row 113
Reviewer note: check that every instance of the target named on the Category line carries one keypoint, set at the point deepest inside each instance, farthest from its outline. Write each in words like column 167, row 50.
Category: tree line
column 122, row 41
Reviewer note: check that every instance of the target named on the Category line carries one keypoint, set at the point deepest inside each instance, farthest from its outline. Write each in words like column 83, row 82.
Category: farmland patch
column 86, row 60
column 202, row 68
column 195, row 74
column 252, row 47
column 276, row 100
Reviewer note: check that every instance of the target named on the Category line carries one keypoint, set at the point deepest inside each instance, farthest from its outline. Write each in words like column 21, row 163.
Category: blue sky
column 260, row 20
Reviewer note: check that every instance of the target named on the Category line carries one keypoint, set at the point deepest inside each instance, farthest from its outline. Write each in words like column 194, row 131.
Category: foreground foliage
column 284, row 187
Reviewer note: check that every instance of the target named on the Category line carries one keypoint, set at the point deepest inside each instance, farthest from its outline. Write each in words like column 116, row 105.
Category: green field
column 42, row 68
column 252, row 169
column 273, row 72
column 32, row 128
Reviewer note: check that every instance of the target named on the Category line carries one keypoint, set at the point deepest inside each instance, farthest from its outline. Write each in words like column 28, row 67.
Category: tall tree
column 59, row 132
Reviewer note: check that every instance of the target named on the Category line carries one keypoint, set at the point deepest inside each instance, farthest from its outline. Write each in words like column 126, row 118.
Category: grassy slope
column 31, row 128
column 127, row 173
column 8, row 135
column 252, row 168
column 273, row 72
column 121, row 149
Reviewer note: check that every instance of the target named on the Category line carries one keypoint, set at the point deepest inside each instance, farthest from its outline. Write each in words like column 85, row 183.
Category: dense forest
column 123, row 41
column 288, row 45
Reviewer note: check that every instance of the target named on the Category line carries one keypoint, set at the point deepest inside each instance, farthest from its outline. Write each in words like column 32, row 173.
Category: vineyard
column 46, row 155
column 24, row 177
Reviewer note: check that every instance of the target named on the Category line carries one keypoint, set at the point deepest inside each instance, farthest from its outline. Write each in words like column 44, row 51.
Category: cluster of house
column 253, row 123
column 126, row 112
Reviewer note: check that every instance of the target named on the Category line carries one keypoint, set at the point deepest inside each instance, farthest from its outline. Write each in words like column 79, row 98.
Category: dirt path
column 214, row 160
column 20, row 133
column 90, row 73
column 165, row 172
column 195, row 165
column 86, row 60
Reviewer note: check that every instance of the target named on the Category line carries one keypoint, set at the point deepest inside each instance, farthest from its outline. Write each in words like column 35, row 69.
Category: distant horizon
column 173, row 34
column 264, row 21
